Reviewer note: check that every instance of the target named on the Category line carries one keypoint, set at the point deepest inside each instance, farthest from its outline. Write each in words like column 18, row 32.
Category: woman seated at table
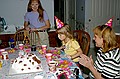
column 70, row 45
column 107, row 64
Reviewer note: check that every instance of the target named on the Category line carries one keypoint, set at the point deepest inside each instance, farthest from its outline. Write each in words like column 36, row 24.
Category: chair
column 21, row 35
column 118, row 40
column 83, row 39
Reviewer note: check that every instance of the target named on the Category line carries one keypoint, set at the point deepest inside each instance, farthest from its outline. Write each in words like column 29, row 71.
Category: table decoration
column 56, row 54
column 11, row 50
column 40, row 51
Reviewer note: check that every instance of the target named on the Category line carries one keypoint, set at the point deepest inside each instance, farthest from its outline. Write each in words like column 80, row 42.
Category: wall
column 80, row 10
column 13, row 10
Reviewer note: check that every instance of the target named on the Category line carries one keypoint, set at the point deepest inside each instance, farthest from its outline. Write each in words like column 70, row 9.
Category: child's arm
column 60, row 48
column 79, row 52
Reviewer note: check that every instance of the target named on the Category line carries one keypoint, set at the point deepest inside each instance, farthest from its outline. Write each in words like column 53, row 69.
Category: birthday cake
column 26, row 64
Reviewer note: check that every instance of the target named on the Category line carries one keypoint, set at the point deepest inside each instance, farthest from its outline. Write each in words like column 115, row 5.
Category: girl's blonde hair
column 40, row 9
column 108, row 35
column 65, row 30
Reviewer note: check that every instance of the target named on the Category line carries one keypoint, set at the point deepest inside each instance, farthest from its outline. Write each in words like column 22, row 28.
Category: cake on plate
column 26, row 64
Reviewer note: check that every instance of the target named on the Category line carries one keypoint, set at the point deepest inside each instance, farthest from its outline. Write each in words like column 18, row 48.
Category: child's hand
column 33, row 29
column 57, row 48
column 27, row 28
column 63, row 47
column 60, row 48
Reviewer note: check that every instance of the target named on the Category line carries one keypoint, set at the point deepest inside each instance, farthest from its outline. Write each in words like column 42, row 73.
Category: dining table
column 45, row 73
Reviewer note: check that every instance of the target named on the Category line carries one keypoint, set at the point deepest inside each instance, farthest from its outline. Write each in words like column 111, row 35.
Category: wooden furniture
column 83, row 39
column 53, row 39
column 19, row 36
column 26, row 37
column 118, row 40
column 5, row 40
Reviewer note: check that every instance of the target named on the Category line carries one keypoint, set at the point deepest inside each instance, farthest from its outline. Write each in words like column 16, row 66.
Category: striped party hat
column 109, row 23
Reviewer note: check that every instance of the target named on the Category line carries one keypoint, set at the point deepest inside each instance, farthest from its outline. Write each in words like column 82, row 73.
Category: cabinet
column 5, row 39
column 53, row 39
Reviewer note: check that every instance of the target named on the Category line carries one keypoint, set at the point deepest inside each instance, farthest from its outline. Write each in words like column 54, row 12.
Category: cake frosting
column 26, row 64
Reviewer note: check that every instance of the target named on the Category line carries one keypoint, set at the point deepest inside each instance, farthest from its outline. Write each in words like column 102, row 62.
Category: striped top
column 108, row 64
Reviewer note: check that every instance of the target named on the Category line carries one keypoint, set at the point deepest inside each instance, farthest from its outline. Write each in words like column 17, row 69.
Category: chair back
column 21, row 35
column 83, row 39
column 118, row 40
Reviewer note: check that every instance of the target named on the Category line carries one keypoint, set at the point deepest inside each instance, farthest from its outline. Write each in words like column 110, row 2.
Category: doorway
column 59, row 9
column 65, row 10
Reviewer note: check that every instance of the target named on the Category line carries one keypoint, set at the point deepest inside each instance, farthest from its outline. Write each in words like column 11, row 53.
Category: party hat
column 59, row 23
column 109, row 23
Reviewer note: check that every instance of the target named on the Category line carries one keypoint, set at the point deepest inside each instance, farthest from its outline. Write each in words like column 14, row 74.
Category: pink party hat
column 109, row 23
column 59, row 23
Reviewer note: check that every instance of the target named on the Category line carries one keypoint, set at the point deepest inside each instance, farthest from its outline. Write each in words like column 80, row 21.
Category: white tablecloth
column 4, row 72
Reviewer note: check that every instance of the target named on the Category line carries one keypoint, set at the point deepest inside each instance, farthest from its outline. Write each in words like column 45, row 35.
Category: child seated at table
column 70, row 46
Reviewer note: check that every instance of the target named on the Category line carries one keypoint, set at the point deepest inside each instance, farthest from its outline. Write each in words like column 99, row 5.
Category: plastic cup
column 52, row 63
column 5, row 55
column 28, row 50
column 1, row 50
column 52, row 66
column 48, row 57
column 33, row 48
column 44, row 48
column 21, row 46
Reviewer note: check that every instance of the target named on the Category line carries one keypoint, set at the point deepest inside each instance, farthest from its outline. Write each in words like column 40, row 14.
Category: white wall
column 13, row 10
column 48, row 5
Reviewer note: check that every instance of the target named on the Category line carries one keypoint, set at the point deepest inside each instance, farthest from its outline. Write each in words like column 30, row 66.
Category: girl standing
column 35, row 19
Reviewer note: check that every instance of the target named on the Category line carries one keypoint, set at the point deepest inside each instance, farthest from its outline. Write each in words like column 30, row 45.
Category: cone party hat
column 59, row 23
column 109, row 23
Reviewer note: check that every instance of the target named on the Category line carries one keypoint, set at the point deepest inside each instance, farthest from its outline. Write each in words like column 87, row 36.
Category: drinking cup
column 48, row 56
column 28, row 50
column 1, row 50
column 52, row 65
column 44, row 47
column 5, row 55
column 33, row 48
column 21, row 46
